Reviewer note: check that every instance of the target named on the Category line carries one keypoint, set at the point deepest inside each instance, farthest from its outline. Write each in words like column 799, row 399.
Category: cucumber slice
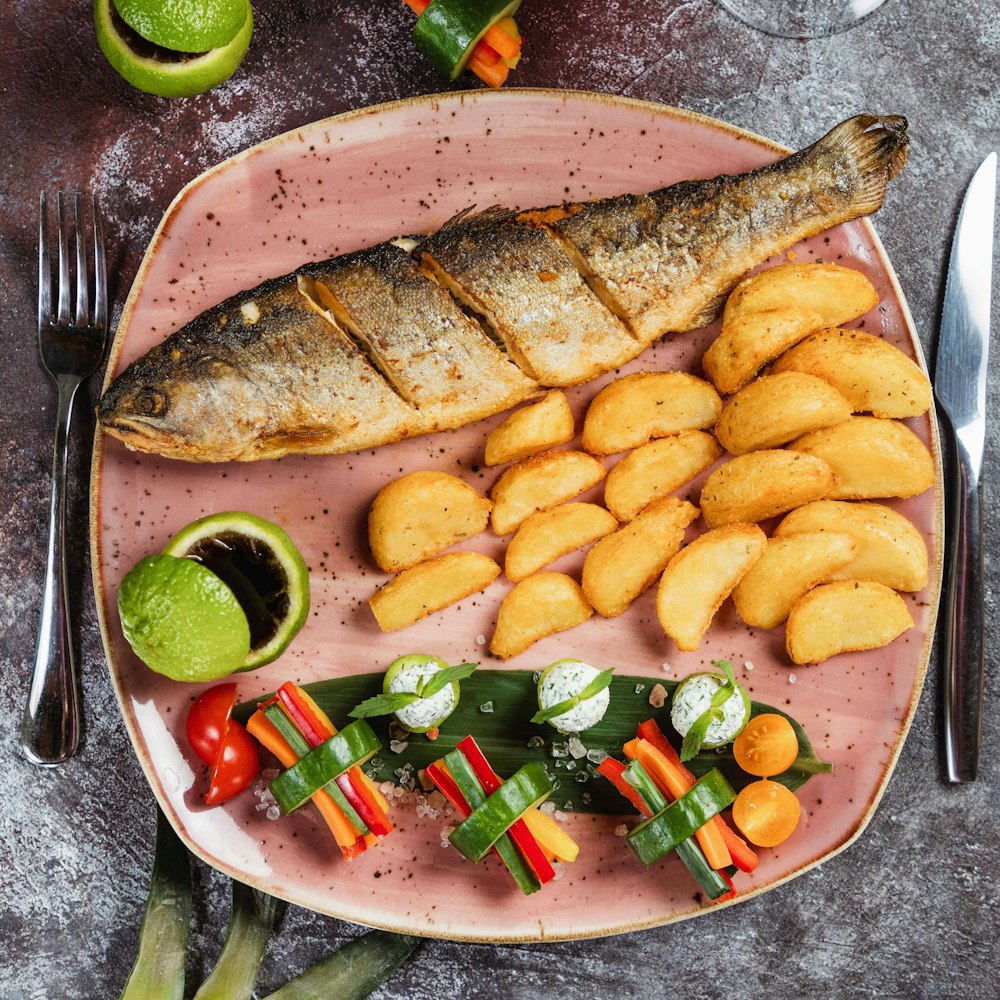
column 448, row 30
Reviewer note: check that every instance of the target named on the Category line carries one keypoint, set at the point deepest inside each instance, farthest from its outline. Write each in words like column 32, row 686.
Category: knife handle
column 963, row 622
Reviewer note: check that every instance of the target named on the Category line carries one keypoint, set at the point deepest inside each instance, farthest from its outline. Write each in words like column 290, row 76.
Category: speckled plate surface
column 348, row 182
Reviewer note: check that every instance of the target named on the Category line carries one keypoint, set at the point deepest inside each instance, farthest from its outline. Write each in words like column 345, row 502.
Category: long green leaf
column 504, row 732
column 250, row 923
column 353, row 972
column 158, row 973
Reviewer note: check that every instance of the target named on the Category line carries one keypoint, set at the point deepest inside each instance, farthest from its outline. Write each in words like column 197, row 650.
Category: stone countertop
column 912, row 909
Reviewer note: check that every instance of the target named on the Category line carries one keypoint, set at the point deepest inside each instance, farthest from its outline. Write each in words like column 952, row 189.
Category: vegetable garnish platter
column 346, row 183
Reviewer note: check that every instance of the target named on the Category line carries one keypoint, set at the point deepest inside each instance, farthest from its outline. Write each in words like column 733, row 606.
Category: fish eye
column 150, row 402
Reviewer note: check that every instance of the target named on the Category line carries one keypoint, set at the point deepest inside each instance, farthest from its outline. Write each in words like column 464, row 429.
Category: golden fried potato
column 622, row 565
column 429, row 587
column 873, row 375
column 772, row 310
column 872, row 457
column 656, row 469
column 775, row 409
column 635, row 408
column 788, row 569
column 763, row 484
column 539, row 605
column 549, row 534
column 419, row 515
column 530, row 430
column 842, row 617
column 541, row 482
column 890, row 548
column 701, row 576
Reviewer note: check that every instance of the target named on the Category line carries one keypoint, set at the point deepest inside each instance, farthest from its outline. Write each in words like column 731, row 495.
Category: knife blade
column 960, row 387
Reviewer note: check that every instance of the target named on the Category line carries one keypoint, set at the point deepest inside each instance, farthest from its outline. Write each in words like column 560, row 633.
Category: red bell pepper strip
column 519, row 832
column 613, row 770
column 742, row 855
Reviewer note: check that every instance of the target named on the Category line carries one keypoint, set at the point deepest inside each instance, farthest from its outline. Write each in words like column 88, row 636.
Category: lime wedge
column 164, row 71
column 182, row 620
column 185, row 25
column 261, row 566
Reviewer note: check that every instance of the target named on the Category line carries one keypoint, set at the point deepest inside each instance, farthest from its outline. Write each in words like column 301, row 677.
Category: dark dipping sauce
column 257, row 579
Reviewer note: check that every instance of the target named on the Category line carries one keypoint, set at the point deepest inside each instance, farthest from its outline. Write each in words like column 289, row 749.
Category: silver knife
column 960, row 387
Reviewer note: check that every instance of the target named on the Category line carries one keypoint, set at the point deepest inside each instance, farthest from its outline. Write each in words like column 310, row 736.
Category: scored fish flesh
column 411, row 337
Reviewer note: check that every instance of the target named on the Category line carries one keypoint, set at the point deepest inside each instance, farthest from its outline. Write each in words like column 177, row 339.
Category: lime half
column 164, row 71
column 182, row 620
column 185, row 25
column 262, row 567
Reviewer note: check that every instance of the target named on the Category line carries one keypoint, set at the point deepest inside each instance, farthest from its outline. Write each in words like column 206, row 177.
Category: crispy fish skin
column 258, row 376
column 435, row 356
column 366, row 349
column 665, row 261
column 521, row 282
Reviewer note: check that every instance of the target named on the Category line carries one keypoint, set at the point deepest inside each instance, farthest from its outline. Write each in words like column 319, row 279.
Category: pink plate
column 352, row 181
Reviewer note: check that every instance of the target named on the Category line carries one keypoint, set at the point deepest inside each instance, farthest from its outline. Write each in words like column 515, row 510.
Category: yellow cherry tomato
column 766, row 813
column 767, row 746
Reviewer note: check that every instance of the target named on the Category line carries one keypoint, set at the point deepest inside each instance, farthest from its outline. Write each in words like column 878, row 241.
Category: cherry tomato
column 222, row 743
column 235, row 767
column 766, row 813
column 208, row 718
column 768, row 746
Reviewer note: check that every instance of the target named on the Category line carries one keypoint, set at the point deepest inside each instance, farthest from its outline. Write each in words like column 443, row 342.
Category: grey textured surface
column 911, row 910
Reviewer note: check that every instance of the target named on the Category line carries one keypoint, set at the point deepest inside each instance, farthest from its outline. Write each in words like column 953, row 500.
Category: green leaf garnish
column 384, row 704
column 438, row 681
column 596, row 686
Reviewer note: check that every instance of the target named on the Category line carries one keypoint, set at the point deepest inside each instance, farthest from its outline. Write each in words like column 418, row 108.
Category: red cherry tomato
column 237, row 764
column 208, row 718
column 222, row 743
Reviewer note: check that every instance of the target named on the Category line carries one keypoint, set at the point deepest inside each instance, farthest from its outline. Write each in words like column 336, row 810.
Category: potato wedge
column 539, row 605
column 772, row 310
column 541, row 482
column 873, row 375
column 872, row 458
column 531, row 429
column 842, row 617
column 656, row 470
column 624, row 564
column 636, row 408
column 419, row 515
column 549, row 534
column 701, row 576
column 890, row 548
column 429, row 587
column 763, row 484
column 788, row 569
column 775, row 409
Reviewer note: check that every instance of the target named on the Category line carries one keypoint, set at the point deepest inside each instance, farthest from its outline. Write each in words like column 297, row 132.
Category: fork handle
column 963, row 621
column 50, row 727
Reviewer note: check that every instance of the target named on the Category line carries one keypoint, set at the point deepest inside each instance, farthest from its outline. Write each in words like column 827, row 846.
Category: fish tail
column 868, row 151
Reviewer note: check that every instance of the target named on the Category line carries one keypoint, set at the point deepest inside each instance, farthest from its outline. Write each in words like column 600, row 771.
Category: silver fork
column 71, row 346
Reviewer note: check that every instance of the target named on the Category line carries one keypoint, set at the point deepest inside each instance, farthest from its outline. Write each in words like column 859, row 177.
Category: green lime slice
column 182, row 620
column 185, row 25
column 262, row 567
column 166, row 72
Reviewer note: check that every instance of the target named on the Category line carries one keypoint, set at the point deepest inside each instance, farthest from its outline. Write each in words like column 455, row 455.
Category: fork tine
column 82, row 306
column 100, row 271
column 44, row 272
column 63, row 315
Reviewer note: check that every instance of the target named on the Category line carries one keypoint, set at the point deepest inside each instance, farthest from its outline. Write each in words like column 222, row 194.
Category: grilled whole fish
column 393, row 341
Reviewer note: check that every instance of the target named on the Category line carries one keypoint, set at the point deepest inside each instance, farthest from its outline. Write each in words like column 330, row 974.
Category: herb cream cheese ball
column 579, row 693
column 698, row 695
column 408, row 674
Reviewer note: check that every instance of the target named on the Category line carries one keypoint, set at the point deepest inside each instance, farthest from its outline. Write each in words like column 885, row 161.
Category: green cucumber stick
column 250, row 923
column 353, row 972
column 158, row 973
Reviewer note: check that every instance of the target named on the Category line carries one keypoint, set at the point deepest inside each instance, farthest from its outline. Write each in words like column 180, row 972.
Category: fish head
column 197, row 408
